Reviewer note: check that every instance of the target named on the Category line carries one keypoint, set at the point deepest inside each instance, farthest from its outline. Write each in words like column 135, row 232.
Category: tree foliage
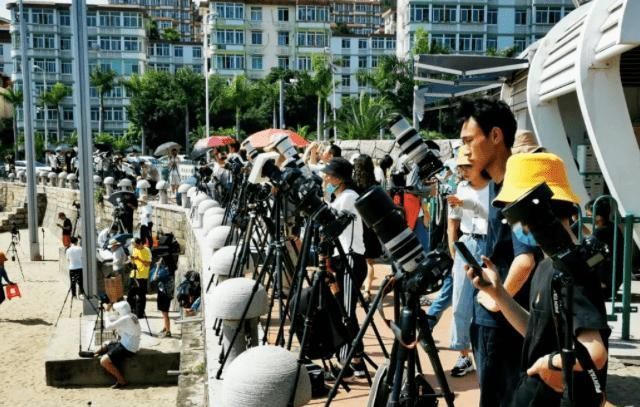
column 363, row 117
column 104, row 81
column 170, row 35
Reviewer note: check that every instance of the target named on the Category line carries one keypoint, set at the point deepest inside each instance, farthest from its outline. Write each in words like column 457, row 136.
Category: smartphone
column 468, row 258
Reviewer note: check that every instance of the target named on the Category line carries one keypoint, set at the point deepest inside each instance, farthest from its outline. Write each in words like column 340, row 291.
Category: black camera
column 76, row 205
column 234, row 165
column 534, row 209
column 412, row 145
column 387, row 221
column 14, row 230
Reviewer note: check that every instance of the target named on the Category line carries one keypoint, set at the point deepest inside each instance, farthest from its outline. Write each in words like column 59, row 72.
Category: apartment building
column 170, row 57
column 117, row 40
column 478, row 25
column 6, row 63
column 358, row 17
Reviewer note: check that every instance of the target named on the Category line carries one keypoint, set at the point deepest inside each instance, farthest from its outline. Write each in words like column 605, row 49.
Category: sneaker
column 359, row 369
column 462, row 367
column 118, row 385
column 166, row 334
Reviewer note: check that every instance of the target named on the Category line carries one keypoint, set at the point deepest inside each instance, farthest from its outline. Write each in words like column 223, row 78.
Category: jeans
column 442, row 302
column 497, row 352
column 422, row 233
column 462, row 299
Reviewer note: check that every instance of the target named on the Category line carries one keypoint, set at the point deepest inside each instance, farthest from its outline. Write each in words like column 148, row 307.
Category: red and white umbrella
column 263, row 138
column 213, row 141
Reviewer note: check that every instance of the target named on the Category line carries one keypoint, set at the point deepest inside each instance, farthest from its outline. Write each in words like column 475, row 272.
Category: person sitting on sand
column 115, row 352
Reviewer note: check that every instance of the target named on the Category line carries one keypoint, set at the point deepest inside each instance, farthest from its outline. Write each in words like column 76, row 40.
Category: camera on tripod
column 416, row 149
column 76, row 205
column 15, row 233
column 426, row 271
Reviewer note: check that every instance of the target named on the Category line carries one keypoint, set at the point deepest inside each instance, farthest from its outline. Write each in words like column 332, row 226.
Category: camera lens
column 380, row 214
column 412, row 145
column 283, row 145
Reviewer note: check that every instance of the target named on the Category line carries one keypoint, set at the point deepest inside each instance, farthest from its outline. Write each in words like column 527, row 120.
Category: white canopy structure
column 575, row 93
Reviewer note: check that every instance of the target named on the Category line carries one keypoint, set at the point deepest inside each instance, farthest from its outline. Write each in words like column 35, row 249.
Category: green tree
column 103, row 80
column 14, row 98
column 237, row 96
column 170, row 35
column 54, row 98
column 393, row 80
column 151, row 27
column 363, row 117
column 321, row 85
column 190, row 91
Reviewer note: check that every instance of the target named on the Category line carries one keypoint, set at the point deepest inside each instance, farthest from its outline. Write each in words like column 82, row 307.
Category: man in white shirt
column 145, row 210
column 106, row 235
column 114, row 353
column 74, row 262
column 339, row 183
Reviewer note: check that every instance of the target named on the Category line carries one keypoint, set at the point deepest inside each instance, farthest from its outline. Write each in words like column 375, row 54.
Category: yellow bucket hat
column 462, row 155
column 527, row 170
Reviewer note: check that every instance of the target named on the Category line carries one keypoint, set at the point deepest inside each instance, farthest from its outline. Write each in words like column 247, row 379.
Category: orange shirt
column 3, row 258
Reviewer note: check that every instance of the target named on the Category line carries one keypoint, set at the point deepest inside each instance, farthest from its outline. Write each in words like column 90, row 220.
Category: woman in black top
column 364, row 178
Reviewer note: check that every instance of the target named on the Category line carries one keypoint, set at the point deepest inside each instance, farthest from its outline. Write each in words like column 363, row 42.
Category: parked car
column 22, row 165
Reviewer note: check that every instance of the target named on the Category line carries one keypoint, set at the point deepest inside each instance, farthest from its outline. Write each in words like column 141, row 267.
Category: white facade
column 475, row 27
column 170, row 57
column 117, row 40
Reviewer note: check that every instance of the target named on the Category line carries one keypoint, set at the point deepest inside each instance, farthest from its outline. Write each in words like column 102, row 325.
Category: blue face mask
column 331, row 188
column 522, row 236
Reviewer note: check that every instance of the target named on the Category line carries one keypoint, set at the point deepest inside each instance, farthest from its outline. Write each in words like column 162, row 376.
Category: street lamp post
column 281, row 101
column 206, row 56
column 44, row 102
column 333, row 68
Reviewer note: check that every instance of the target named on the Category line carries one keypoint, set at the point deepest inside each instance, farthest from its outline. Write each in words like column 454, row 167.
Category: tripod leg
column 427, row 343
column 62, row 308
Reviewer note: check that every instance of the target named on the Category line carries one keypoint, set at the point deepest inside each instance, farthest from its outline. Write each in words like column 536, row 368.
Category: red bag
column 12, row 291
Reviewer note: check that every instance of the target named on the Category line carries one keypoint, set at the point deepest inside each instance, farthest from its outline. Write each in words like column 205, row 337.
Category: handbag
column 12, row 291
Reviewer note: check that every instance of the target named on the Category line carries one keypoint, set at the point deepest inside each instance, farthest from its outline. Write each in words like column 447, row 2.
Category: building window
column 111, row 43
column 65, row 67
column 521, row 16
column 132, row 44
column 91, row 19
column 492, row 16
column 390, row 43
column 42, row 16
column 283, row 62
column 374, row 61
column 177, row 51
column 229, row 37
column 346, row 81
column 362, row 62
column 109, row 19
column 196, row 52
column 46, row 65
column 256, row 62
column 377, row 43
column 283, row 14
column 65, row 43
column 304, row 63
column 419, row 13
column 131, row 20
column 520, row 43
column 312, row 39
column 313, row 13
column 471, row 14
column 362, row 43
column 256, row 14
column 229, row 11
column 346, row 43
column 444, row 14
column 230, row 61
column 548, row 15
column 256, row 37
column 43, row 41
column 67, row 114
column 283, row 38
column 492, row 43
column 64, row 17
column 471, row 43
column 346, row 62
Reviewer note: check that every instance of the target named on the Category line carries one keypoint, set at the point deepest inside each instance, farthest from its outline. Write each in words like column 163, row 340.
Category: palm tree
column 54, row 97
column 13, row 97
column 189, row 88
column 362, row 117
column 321, row 82
column 238, row 95
column 103, row 80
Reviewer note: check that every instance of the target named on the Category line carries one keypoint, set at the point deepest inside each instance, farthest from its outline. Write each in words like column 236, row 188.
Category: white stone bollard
column 143, row 185
column 72, row 181
column 97, row 181
column 53, row 179
column 217, row 238
column 228, row 301
column 125, row 184
column 265, row 376
column 108, row 185
column 186, row 200
column 202, row 208
column 62, row 179
column 162, row 187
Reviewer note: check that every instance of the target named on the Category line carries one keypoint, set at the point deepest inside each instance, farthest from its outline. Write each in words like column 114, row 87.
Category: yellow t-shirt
column 142, row 270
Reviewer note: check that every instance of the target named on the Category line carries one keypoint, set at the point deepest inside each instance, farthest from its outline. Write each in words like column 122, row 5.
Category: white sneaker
column 462, row 367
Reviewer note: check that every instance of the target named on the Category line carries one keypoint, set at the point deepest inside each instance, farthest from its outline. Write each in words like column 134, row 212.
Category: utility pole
column 205, row 54
column 29, row 142
column 82, row 116
column 46, row 110
column 281, row 101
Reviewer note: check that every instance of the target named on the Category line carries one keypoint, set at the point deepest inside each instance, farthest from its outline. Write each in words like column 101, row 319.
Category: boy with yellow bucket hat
column 541, row 382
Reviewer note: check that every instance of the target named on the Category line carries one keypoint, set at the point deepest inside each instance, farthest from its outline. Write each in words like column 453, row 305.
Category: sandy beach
column 25, row 328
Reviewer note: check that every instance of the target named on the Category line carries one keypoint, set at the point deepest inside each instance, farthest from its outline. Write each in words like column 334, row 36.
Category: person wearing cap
column 106, row 235
column 114, row 353
column 488, row 129
column 339, row 184
column 526, row 142
column 119, row 256
column 541, row 379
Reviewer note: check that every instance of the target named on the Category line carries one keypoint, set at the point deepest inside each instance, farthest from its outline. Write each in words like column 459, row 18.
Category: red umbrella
column 263, row 138
column 214, row 141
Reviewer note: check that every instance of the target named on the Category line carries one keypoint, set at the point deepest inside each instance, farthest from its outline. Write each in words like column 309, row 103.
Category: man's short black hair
column 138, row 240
column 386, row 162
column 489, row 113
column 73, row 240
column 235, row 146
column 335, row 151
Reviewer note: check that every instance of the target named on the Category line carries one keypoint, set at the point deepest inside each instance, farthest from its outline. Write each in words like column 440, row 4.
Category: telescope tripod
column 13, row 250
